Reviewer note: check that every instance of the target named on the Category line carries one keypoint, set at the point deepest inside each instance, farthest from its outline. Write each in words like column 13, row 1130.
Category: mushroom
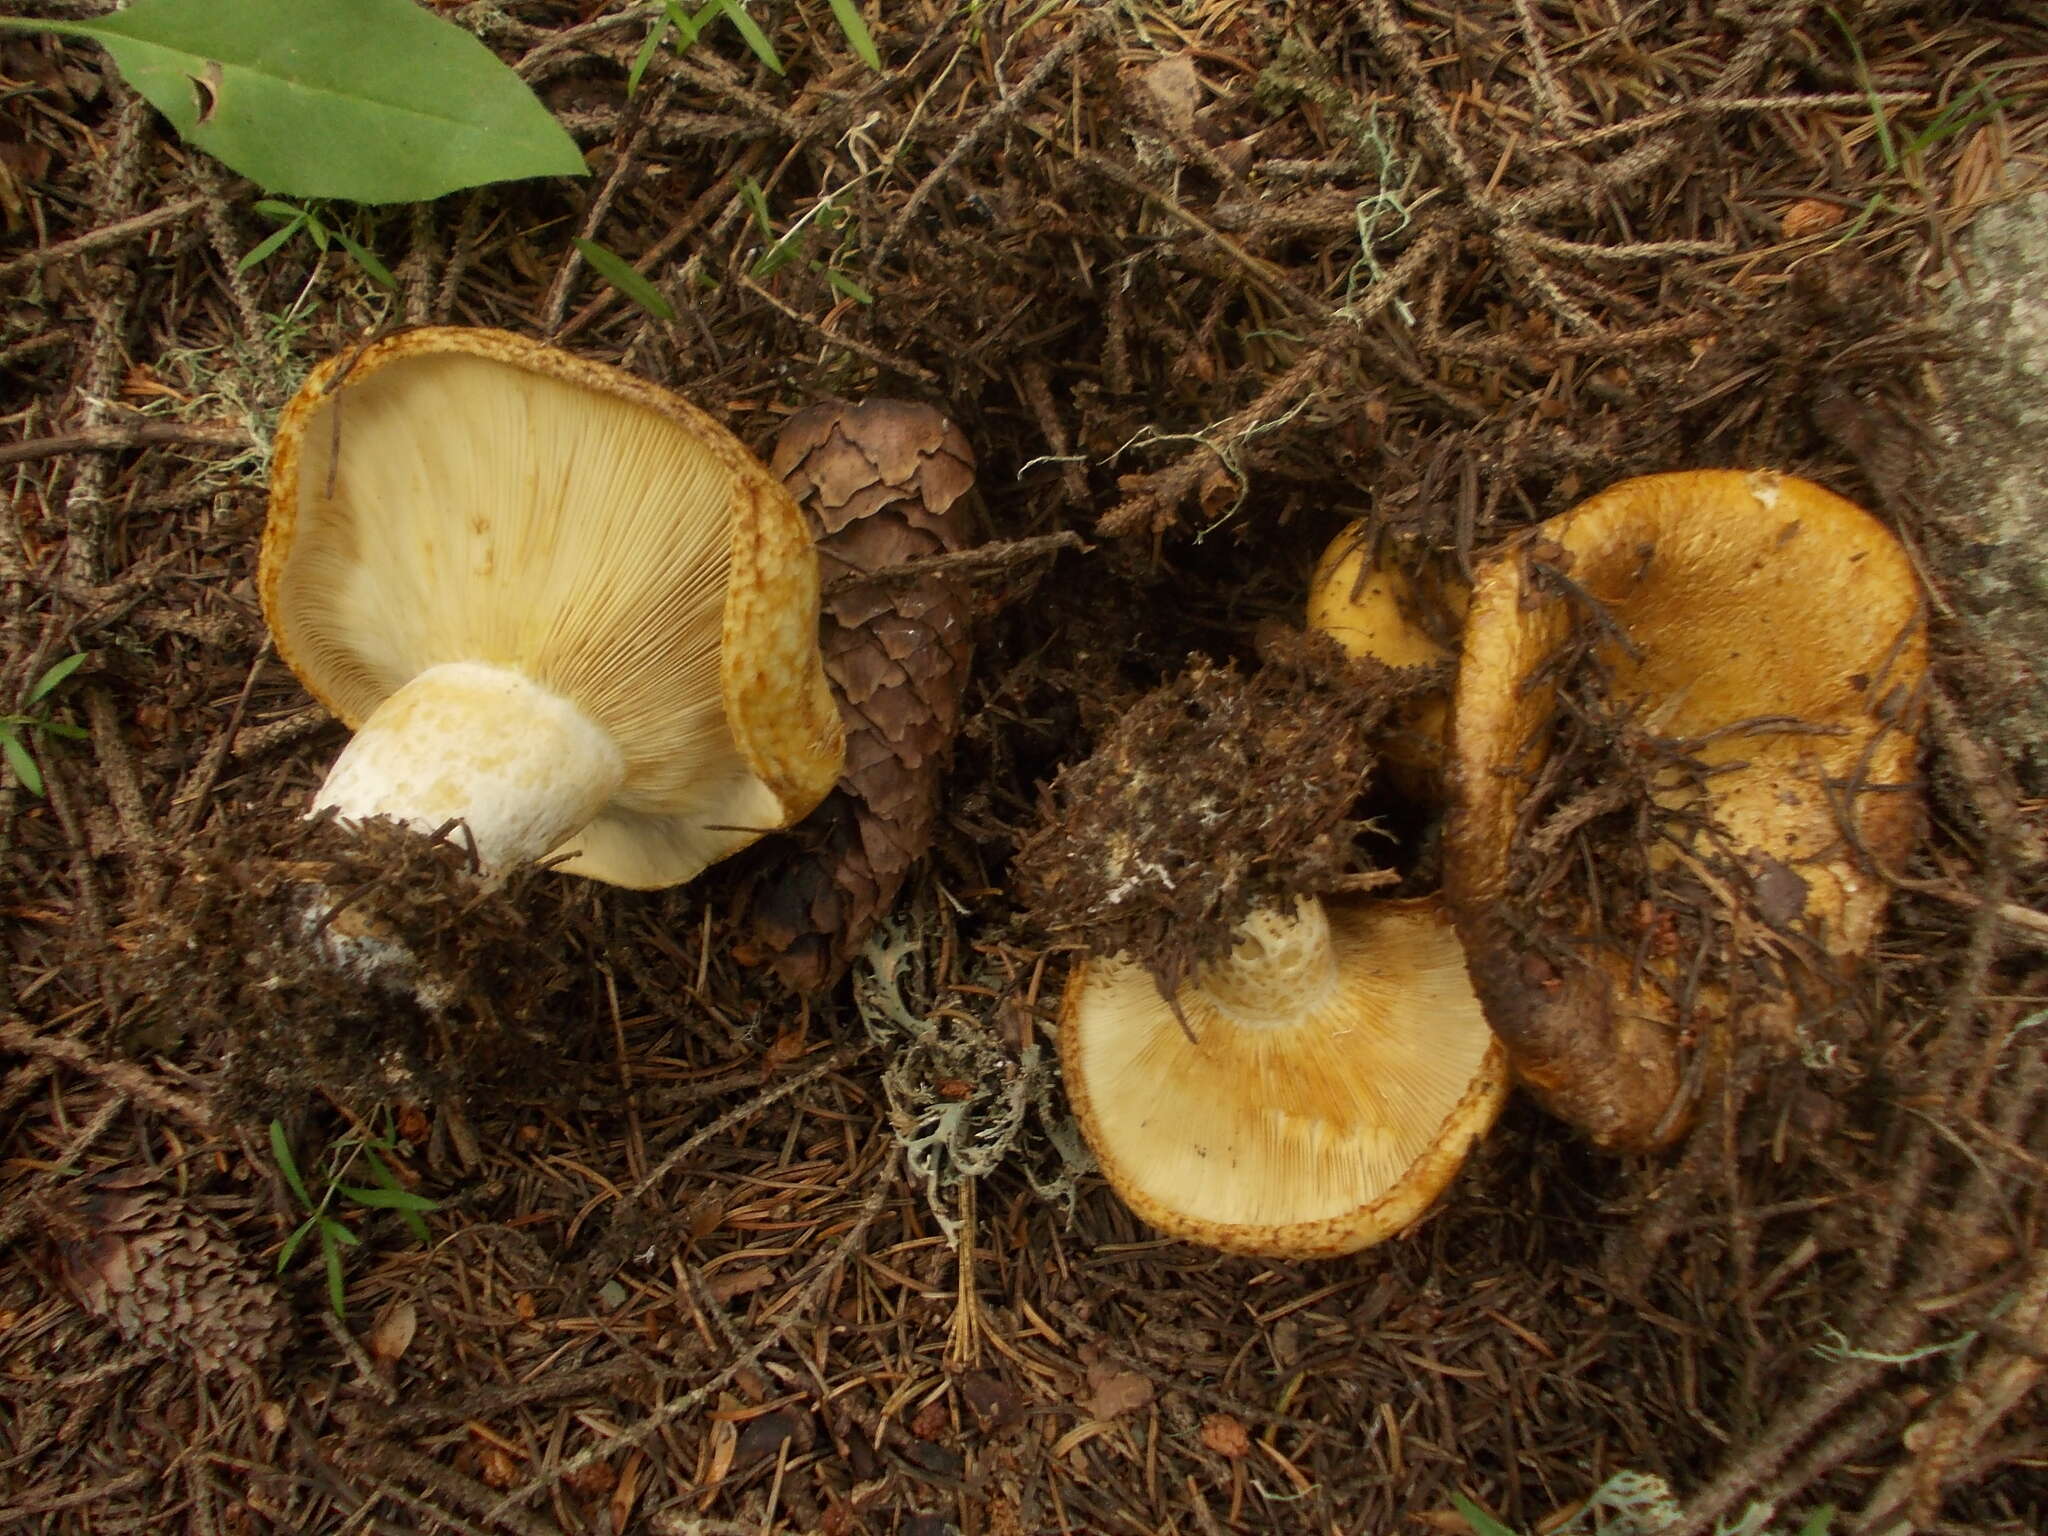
column 1306, row 1096
column 1259, row 1062
column 556, row 603
column 1369, row 604
column 1730, row 662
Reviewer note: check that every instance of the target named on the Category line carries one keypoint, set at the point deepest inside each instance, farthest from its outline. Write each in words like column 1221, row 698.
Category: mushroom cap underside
column 1310, row 1138
column 454, row 494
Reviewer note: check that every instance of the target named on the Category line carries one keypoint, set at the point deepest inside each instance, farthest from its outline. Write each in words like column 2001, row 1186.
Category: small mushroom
column 556, row 603
column 1725, row 666
column 1307, row 1096
column 1369, row 603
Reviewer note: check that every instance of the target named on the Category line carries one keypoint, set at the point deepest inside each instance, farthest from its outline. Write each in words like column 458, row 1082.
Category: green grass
column 383, row 1193
column 16, row 730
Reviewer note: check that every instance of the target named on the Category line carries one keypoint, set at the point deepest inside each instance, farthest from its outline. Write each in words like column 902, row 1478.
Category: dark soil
column 1200, row 284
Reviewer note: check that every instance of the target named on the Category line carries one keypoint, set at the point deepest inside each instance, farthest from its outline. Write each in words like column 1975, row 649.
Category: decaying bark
column 882, row 483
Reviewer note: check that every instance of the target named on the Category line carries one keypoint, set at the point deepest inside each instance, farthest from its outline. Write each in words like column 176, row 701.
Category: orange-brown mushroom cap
column 1327, row 1082
column 1771, row 632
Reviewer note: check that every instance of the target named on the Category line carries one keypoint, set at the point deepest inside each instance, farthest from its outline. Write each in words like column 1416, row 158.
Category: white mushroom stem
column 1280, row 971
column 520, row 765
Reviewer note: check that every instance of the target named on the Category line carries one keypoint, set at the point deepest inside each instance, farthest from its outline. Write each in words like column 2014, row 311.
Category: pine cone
column 882, row 484
column 163, row 1274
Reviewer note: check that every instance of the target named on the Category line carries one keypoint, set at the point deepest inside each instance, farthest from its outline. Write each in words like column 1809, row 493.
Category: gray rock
column 1989, row 492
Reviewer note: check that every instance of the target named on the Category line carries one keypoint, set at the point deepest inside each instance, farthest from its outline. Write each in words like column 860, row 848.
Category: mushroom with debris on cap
column 1407, row 617
column 1261, row 1060
column 556, row 603
column 1704, row 687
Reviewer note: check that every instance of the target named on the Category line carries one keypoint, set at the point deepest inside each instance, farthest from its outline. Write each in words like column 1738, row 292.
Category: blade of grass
column 330, row 1253
column 757, row 204
column 619, row 272
column 281, row 1152
column 858, row 38
column 25, row 771
column 1481, row 1522
column 291, row 1244
column 847, row 288
column 388, row 1199
column 1953, row 120
column 55, row 675
column 645, row 56
column 271, row 244
column 367, row 260
column 1878, row 119
column 750, row 33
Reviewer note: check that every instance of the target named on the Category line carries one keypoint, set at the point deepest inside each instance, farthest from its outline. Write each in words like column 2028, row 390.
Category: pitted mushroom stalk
column 1319, row 1088
column 557, row 604
column 1771, row 634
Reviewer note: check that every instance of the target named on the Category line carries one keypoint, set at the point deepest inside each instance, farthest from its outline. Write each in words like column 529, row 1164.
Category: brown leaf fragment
column 882, row 484
column 1226, row 1436
column 392, row 1334
column 1112, row 1392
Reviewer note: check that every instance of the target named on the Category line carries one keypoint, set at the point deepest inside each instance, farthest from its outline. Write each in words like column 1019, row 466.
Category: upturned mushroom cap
column 601, row 601
column 1768, row 632
column 1338, row 1073
column 1370, row 605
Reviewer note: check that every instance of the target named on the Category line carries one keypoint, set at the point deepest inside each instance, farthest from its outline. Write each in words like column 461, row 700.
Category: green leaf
column 847, row 288
column 858, row 37
column 61, row 728
column 389, row 1199
column 1818, row 1522
column 317, row 230
column 367, row 260
column 26, row 773
column 281, row 1153
column 377, row 101
column 271, row 208
column 1481, row 1522
column 291, row 1244
column 617, row 271
column 55, row 675
column 750, row 32
column 271, row 244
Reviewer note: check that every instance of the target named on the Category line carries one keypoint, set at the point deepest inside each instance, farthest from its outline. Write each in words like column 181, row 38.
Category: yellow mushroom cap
column 540, row 531
column 1775, row 630
column 1338, row 1074
column 1371, row 606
